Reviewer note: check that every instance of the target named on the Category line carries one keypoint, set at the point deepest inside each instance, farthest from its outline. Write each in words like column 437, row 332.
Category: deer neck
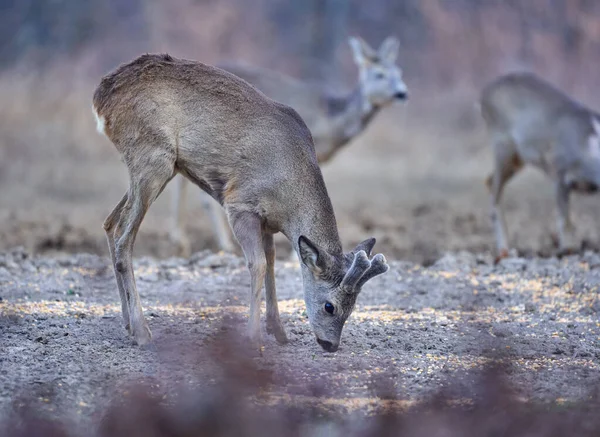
column 315, row 220
column 349, row 115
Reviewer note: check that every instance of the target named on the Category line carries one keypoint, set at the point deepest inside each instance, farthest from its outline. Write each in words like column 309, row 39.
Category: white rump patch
column 99, row 122
column 594, row 140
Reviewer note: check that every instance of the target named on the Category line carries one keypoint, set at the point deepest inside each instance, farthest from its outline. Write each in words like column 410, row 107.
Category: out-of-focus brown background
column 414, row 178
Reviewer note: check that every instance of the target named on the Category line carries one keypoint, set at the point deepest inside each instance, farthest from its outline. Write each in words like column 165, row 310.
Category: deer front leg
column 247, row 228
column 567, row 239
column 274, row 325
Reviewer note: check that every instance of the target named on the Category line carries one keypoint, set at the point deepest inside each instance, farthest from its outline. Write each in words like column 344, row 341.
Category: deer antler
column 363, row 269
column 378, row 266
column 359, row 267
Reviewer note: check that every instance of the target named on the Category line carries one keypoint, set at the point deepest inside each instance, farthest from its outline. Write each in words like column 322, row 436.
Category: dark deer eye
column 329, row 307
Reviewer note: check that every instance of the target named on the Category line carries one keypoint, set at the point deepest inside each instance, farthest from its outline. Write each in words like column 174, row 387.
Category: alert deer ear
column 312, row 256
column 362, row 52
column 388, row 51
column 366, row 245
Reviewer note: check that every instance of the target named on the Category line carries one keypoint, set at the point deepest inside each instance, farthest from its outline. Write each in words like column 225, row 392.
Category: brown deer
column 255, row 157
column 333, row 120
column 531, row 122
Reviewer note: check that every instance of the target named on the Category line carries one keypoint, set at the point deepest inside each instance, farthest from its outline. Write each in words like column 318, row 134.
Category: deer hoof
column 142, row 336
column 503, row 253
column 276, row 329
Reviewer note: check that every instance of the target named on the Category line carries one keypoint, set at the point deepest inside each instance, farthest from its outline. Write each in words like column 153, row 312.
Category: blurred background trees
column 444, row 42
column 59, row 179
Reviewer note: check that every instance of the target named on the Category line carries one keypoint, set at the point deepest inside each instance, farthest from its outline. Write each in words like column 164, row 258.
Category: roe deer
column 531, row 122
column 332, row 120
column 255, row 157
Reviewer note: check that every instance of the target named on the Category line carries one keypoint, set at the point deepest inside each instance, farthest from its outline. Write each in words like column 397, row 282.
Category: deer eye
column 329, row 307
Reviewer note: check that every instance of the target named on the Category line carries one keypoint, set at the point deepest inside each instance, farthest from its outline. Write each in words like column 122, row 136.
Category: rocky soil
column 417, row 328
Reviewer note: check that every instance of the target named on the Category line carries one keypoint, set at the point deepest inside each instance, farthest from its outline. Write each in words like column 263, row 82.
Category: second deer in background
column 532, row 122
column 332, row 120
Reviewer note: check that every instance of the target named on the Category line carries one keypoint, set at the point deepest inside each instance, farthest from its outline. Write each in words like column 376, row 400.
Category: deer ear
column 356, row 50
column 366, row 245
column 312, row 257
column 596, row 125
column 362, row 52
column 388, row 51
column 594, row 140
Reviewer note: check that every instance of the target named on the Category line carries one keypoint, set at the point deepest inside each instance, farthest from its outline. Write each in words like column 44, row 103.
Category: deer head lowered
column 332, row 284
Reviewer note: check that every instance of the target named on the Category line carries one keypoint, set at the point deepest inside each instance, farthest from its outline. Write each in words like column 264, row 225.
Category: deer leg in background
column 177, row 227
column 507, row 163
column 274, row 325
column 567, row 240
column 219, row 223
column 247, row 228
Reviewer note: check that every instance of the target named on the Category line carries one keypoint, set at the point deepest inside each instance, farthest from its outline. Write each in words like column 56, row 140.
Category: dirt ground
column 62, row 338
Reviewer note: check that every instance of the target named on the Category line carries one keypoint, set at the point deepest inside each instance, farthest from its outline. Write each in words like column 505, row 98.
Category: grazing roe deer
column 255, row 157
column 332, row 120
column 531, row 122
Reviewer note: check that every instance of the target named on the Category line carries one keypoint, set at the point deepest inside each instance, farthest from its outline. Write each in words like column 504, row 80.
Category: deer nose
column 401, row 95
column 327, row 345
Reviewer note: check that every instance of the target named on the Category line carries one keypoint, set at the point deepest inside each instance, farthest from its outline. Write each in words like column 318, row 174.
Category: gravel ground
column 62, row 339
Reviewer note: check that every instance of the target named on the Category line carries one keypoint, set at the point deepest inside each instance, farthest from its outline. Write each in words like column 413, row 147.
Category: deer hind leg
column 247, row 228
column 274, row 325
column 177, row 233
column 148, row 177
column 219, row 223
column 507, row 164
column 109, row 228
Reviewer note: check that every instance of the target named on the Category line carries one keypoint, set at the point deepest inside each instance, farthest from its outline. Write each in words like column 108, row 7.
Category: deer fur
column 531, row 122
column 333, row 120
column 255, row 157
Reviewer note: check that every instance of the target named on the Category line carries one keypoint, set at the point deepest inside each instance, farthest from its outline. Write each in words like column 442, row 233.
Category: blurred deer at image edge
column 531, row 122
